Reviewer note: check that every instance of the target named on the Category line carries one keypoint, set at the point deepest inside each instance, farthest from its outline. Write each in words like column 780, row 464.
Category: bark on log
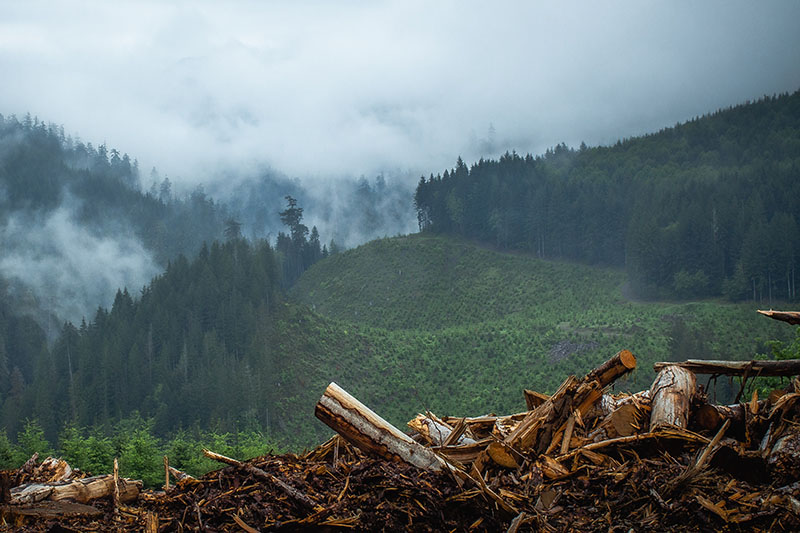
column 671, row 394
column 46, row 510
column 80, row 490
column 617, row 366
column 791, row 317
column 369, row 432
column 787, row 367
column 711, row 417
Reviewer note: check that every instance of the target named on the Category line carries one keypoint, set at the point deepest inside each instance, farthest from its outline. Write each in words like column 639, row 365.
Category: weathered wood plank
column 787, row 367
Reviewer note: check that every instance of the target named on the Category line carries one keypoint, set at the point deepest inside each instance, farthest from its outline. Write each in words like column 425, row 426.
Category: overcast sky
column 349, row 88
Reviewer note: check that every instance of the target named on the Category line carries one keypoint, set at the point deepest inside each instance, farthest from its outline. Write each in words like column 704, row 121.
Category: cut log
column 80, row 490
column 787, row 367
column 47, row 510
column 672, row 393
column 791, row 317
column 611, row 370
column 711, row 417
column 784, row 459
column 622, row 422
column 369, row 432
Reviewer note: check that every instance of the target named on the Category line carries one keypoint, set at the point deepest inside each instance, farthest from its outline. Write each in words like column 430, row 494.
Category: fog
column 51, row 261
column 322, row 90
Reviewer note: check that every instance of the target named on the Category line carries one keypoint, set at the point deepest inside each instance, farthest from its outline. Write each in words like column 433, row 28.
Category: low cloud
column 53, row 262
column 320, row 89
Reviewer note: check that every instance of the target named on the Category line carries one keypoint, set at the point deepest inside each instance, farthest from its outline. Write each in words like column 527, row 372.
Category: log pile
column 581, row 459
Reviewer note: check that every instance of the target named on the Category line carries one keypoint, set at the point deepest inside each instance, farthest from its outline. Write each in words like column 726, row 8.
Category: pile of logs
column 581, row 459
column 582, row 432
column 52, row 489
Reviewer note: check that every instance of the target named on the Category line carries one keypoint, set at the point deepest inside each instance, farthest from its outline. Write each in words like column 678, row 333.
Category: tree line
column 705, row 208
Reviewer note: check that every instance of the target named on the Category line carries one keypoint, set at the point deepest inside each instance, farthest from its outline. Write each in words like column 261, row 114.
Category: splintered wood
column 580, row 459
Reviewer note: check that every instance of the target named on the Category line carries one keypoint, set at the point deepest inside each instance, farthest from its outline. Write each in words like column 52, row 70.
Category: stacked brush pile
column 663, row 459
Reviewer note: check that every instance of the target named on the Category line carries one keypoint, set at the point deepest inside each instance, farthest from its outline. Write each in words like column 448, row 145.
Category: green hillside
column 451, row 327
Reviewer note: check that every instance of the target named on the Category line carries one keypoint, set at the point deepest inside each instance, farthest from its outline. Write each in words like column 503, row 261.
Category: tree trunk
column 671, row 394
column 369, row 432
column 80, row 490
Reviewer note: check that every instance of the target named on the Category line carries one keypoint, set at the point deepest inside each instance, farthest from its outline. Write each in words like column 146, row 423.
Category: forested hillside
column 709, row 207
column 43, row 169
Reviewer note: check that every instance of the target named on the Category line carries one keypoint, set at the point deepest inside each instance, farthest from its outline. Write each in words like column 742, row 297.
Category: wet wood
column 363, row 428
column 672, row 393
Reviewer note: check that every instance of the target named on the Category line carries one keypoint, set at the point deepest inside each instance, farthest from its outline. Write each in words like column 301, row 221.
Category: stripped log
column 787, row 367
column 791, row 317
column 672, row 393
column 179, row 475
column 80, row 490
column 363, row 428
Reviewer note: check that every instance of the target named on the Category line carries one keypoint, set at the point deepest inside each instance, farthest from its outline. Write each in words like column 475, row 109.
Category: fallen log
column 671, row 394
column 614, row 368
column 47, row 510
column 622, row 422
column 363, row 428
column 711, row 417
column 80, row 490
column 791, row 317
column 787, row 367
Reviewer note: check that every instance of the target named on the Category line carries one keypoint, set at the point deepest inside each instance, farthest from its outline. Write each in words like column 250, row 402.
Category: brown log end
column 627, row 359
column 707, row 417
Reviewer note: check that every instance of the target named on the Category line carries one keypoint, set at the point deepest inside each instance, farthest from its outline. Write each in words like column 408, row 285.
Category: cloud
column 318, row 89
column 54, row 262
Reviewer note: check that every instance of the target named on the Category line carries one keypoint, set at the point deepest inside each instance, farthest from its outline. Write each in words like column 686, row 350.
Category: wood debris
column 577, row 460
